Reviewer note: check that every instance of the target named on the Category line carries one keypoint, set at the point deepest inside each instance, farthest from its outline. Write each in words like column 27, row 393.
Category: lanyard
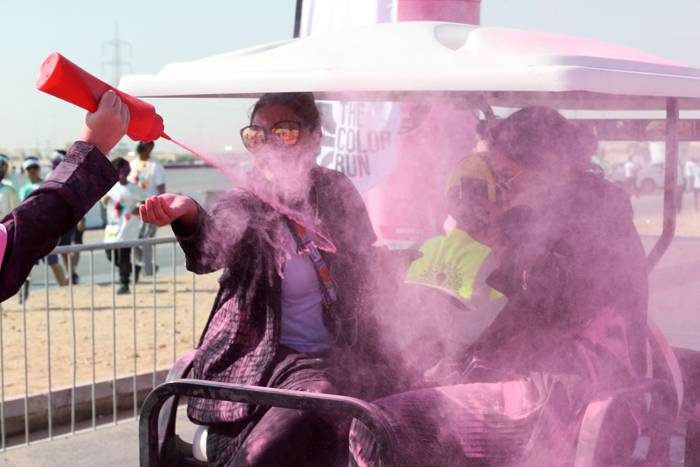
column 305, row 243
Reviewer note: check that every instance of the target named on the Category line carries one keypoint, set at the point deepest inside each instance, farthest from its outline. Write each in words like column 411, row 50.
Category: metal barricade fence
column 50, row 411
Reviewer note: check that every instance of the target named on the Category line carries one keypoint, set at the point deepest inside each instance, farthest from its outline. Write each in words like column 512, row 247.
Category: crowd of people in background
column 630, row 175
column 139, row 179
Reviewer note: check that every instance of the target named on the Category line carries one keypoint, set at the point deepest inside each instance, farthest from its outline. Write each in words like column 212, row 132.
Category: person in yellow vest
column 461, row 260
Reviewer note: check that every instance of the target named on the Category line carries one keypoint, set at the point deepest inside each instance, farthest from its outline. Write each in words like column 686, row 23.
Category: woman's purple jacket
column 32, row 229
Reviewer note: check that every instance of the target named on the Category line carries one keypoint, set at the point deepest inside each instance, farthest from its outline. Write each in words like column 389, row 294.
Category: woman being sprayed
column 572, row 267
column 295, row 251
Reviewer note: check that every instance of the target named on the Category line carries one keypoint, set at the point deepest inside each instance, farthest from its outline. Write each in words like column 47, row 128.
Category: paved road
column 674, row 299
column 109, row 446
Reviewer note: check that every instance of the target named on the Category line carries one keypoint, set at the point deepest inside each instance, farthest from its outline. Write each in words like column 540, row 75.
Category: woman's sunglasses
column 282, row 134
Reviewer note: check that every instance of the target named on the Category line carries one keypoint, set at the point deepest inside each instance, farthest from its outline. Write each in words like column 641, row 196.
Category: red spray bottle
column 64, row 79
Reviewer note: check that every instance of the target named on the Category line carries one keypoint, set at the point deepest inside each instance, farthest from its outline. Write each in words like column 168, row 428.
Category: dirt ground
column 111, row 324
column 649, row 217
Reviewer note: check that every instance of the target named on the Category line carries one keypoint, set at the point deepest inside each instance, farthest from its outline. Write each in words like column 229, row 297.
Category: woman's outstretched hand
column 167, row 208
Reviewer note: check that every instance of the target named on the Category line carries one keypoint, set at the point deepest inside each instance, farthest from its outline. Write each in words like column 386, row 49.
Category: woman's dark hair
column 302, row 104
column 531, row 133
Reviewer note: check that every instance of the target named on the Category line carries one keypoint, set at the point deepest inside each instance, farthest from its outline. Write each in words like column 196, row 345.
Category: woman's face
column 283, row 160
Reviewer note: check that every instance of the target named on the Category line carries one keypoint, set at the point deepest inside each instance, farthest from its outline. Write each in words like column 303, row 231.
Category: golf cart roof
column 393, row 61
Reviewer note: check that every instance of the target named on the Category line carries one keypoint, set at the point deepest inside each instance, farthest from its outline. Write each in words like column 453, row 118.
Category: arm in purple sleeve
column 34, row 227
column 207, row 243
column 193, row 242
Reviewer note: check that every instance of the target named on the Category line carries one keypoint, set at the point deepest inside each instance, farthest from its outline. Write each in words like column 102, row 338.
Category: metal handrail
column 365, row 412
column 111, row 246
column 62, row 409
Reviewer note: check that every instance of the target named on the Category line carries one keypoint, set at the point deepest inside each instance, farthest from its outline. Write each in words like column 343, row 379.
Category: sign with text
column 359, row 140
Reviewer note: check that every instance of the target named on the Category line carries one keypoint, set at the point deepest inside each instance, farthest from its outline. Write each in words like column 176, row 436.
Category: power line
column 117, row 63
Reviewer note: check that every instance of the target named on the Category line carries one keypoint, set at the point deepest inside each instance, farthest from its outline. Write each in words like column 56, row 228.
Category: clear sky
column 162, row 31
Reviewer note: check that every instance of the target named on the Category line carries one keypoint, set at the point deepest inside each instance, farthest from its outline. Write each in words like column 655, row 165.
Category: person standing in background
column 680, row 188
column 601, row 161
column 631, row 170
column 8, row 193
column 696, row 183
column 74, row 235
column 33, row 170
column 688, row 169
column 149, row 176
column 691, row 170
column 147, row 173
column 122, row 203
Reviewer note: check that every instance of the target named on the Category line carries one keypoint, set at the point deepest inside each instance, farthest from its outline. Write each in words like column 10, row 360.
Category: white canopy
column 494, row 66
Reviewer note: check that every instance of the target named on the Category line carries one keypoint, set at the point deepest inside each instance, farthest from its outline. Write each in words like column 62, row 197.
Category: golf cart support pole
column 297, row 18
column 366, row 413
column 670, row 183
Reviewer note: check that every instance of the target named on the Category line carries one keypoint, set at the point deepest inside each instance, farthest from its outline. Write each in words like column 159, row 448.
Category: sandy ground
column 687, row 224
column 648, row 210
column 113, row 328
